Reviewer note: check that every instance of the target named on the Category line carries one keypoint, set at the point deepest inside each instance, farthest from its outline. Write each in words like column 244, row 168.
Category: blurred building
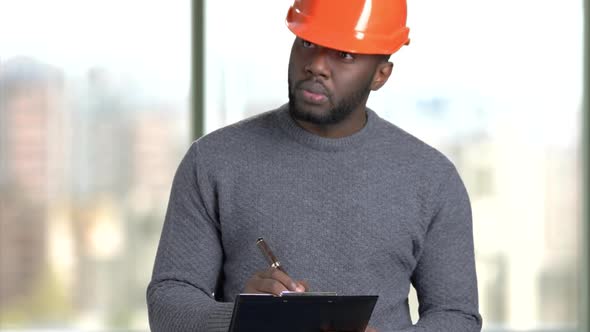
column 526, row 254
column 126, row 149
column 85, row 173
column 158, row 146
column 525, row 196
column 31, row 159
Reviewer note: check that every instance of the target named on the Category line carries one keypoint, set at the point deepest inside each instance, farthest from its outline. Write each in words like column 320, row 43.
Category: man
column 349, row 202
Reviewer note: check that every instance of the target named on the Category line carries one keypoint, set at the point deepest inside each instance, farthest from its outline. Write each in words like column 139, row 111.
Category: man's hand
column 273, row 281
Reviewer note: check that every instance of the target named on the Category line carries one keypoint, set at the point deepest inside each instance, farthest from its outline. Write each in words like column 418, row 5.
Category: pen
column 272, row 259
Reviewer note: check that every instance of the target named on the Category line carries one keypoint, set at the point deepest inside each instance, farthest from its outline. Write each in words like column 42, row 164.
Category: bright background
column 94, row 118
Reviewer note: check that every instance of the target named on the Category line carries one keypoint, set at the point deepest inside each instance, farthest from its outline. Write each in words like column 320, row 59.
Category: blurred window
column 94, row 119
column 497, row 87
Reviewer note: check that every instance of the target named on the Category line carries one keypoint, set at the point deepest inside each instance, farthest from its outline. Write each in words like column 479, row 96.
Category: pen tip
column 259, row 239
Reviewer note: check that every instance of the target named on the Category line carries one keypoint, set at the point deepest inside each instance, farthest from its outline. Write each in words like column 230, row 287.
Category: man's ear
column 382, row 73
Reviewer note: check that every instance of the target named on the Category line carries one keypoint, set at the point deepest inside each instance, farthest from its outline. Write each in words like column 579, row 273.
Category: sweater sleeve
column 445, row 277
column 180, row 296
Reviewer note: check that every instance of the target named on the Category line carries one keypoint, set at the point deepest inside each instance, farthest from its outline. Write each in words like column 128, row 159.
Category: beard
column 336, row 114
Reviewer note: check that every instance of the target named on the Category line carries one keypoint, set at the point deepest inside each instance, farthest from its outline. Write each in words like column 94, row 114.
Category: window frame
column 197, row 98
column 585, row 247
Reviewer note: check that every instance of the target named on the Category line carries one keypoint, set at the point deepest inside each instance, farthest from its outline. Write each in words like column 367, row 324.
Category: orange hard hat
column 355, row 26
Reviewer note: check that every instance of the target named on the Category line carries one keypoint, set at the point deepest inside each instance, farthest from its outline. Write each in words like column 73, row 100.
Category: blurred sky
column 536, row 62
column 115, row 34
column 524, row 55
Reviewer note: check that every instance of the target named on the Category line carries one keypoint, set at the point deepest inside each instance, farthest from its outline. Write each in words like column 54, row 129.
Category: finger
column 251, row 284
column 259, row 284
column 281, row 277
column 270, row 286
column 304, row 284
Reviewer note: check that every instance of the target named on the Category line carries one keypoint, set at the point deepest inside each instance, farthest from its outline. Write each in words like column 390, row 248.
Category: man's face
column 326, row 85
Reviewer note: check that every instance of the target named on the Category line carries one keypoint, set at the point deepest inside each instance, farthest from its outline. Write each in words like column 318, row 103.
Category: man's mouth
column 315, row 98
column 313, row 92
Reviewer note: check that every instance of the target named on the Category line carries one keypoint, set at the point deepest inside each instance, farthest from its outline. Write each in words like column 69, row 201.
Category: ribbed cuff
column 220, row 317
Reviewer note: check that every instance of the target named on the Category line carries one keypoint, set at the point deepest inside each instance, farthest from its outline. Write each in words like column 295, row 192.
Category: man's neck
column 352, row 124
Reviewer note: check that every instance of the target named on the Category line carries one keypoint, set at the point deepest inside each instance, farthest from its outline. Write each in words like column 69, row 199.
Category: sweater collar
column 296, row 132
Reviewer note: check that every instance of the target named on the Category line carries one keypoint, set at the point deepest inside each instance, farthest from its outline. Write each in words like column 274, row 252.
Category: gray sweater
column 365, row 214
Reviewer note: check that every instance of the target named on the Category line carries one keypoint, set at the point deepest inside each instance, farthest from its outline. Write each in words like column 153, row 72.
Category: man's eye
column 306, row 44
column 346, row 55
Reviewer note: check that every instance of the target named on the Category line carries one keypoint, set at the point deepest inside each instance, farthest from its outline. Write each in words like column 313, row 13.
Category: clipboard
column 301, row 313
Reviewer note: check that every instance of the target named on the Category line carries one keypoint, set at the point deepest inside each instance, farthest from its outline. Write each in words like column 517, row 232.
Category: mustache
column 313, row 85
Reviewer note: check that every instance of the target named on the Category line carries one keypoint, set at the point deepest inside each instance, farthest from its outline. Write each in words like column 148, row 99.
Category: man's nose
column 318, row 63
